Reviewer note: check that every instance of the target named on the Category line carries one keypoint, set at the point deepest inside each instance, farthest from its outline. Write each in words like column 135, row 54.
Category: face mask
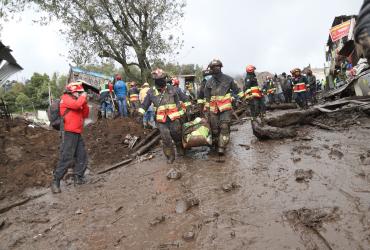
column 160, row 82
column 216, row 70
column 207, row 77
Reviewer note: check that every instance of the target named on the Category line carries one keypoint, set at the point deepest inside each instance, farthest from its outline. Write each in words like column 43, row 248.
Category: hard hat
column 74, row 87
column 250, row 68
column 175, row 82
column 215, row 62
column 146, row 84
column 158, row 74
column 295, row 70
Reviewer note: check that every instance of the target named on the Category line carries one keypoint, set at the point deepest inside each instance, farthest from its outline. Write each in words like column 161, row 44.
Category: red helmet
column 118, row 77
column 175, row 82
column 74, row 87
column 250, row 69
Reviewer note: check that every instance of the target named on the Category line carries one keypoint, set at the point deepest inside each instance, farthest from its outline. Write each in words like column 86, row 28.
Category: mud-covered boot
column 78, row 180
column 170, row 154
column 180, row 149
column 55, row 186
column 221, row 151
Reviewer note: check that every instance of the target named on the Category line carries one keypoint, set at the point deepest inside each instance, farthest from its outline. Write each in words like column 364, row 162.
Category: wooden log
column 281, row 106
column 146, row 139
column 146, row 147
column 292, row 118
column 265, row 132
column 19, row 203
column 117, row 165
column 323, row 126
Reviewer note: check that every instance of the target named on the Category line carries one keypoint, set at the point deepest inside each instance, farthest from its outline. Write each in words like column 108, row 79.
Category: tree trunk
column 265, row 132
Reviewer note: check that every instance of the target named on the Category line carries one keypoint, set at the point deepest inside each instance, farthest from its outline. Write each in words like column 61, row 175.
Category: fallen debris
column 303, row 175
column 247, row 147
column 281, row 106
column 230, row 186
column 185, row 204
column 312, row 218
column 264, row 132
column 157, row 220
column 188, row 236
column 173, row 174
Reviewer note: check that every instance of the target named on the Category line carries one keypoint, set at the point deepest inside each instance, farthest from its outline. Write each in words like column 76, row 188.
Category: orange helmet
column 250, row 68
column 175, row 82
column 74, row 87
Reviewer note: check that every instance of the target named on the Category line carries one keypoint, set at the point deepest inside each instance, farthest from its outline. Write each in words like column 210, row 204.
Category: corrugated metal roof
column 6, row 71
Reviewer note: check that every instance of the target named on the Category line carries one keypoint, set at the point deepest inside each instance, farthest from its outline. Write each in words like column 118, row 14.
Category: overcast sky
column 273, row 35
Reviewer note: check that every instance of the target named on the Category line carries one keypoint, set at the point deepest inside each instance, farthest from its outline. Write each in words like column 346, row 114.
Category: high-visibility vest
column 253, row 92
column 167, row 110
column 134, row 97
column 299, row 87
column 220, row 103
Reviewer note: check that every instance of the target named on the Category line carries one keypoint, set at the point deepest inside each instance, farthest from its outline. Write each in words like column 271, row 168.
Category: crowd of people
column 167, row 107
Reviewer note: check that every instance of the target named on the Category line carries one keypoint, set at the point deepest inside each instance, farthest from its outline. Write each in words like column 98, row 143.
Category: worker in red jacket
column 73, row 111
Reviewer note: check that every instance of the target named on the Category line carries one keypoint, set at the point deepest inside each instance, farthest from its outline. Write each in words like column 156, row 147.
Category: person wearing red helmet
column 253, row 93
column 73, row 110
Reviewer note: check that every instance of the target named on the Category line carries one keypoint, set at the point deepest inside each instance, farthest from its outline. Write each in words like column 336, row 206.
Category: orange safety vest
column 169, row 110
column 220, row 103
column 254, row 92
column 134, row 97
column 299, row 87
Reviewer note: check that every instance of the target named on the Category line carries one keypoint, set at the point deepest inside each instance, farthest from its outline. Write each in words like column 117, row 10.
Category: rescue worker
column 73, row 110
column 217, row 93
column 120, row 89
column 286, row 84
column 106, row 100
column 300, row 87
column 362, row 30
column 133, row 93
column 311, row 79
column 184, row 105
column 253, row 93
column 201, row 100
column 148, row 118
column 167, row 102
column 270, row 88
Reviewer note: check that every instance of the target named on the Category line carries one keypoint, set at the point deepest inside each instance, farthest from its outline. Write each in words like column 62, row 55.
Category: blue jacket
column 120, row 88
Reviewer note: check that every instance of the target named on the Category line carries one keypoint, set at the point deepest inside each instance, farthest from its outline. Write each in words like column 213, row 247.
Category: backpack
column 54, row 115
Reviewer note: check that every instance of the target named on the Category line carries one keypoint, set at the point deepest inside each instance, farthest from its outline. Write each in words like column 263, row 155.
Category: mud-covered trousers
column 257, row 107
column 134, row 108
column 170, row 130
column 301, row 99
column 72, row 150
column 220, row 127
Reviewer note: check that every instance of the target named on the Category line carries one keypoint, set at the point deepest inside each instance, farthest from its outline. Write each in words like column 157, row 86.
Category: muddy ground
column 28, row 155
column 263, row 197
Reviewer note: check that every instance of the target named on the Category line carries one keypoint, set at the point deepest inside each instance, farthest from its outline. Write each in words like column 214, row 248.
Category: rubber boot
column 77, row 180
column 180, row 149
column 221, row 151
column 169, row 152
column 55, row 186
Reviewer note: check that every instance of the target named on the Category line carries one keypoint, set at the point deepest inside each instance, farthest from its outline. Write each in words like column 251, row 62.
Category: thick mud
column 251, row 201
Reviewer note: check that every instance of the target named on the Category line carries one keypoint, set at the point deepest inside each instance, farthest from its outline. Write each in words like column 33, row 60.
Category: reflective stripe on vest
column 201, row 101
column 220, row 103
column 134, row 97
column 271, row 91
column 253, row 92
column 240, row 94
column 169, row 110
column 299, row 87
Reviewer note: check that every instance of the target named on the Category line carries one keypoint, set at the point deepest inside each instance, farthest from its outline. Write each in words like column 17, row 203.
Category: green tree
column 22, row 101
column 129, row 32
